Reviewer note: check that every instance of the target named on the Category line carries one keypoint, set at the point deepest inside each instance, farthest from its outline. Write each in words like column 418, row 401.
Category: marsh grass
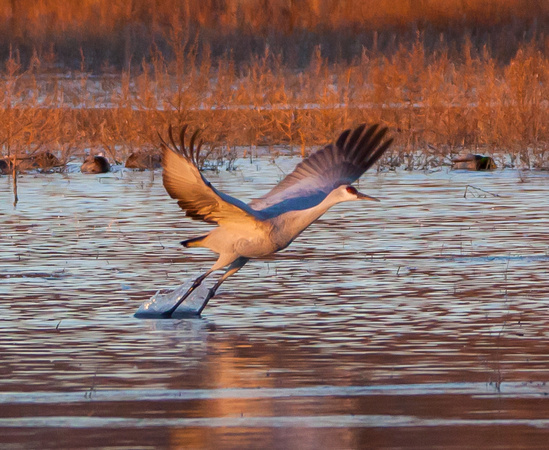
column 435, row 105
column 120, row 33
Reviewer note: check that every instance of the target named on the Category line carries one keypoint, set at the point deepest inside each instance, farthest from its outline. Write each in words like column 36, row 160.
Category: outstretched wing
column 195, row 194
column 354, row 152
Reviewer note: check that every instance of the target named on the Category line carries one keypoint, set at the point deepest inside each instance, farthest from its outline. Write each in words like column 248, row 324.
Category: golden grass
column 434, row 104
column 122, row 33
column 32, row 18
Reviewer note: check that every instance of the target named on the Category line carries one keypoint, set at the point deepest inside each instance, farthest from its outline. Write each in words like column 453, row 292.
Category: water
column 420, row 321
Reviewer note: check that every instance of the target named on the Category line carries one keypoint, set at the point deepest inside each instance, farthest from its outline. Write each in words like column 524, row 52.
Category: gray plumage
column 270, row 223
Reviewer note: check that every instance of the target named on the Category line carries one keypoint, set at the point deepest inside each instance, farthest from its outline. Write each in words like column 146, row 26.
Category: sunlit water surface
column 419, row 321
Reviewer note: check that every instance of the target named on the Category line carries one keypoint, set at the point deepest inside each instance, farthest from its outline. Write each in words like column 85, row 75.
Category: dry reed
column 436, row 100
column 120, row 33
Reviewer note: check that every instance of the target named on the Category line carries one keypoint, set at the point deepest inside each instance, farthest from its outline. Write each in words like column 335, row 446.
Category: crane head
column 355, row 195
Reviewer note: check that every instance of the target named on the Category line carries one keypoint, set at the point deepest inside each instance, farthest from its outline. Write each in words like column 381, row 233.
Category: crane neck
column 333, row 198
column 292, row 223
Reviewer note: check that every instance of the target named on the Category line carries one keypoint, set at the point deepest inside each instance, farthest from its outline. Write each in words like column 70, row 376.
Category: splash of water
column 163, row 300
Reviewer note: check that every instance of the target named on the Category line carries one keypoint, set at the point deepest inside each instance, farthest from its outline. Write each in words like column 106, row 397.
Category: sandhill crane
column 270, row 223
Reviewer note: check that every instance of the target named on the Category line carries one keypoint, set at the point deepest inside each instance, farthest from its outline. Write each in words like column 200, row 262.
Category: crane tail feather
column 194, row 242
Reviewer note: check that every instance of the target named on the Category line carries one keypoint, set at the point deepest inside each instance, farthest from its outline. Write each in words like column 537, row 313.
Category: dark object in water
column 144, row 160
column 95, row 164
column 40, row 161
column 473, row 162
column 5, row 166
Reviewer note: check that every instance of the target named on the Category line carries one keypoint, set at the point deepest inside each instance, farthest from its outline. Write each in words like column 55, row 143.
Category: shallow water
column 420, row 321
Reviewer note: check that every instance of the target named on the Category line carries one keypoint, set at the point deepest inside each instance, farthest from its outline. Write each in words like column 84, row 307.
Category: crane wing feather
column 343, row 162
column 196, row 195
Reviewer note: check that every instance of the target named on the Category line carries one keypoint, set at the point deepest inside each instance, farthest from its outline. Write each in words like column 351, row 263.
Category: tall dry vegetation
column 229, row 67
column 119, row 31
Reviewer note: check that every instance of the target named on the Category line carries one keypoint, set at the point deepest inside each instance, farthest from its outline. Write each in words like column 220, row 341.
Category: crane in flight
column 269, row 223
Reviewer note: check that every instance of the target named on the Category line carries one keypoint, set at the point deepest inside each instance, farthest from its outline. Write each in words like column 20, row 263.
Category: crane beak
column 362, row 196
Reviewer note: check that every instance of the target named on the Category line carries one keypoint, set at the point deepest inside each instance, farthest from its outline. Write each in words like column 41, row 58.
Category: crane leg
column 195, row 284
column 233, row 268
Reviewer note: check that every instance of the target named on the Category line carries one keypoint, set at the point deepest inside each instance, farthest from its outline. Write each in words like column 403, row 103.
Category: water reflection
column 425, row 313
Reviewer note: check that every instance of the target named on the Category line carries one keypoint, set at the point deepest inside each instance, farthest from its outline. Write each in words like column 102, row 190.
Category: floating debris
column 470, row 161
column 477, row 192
